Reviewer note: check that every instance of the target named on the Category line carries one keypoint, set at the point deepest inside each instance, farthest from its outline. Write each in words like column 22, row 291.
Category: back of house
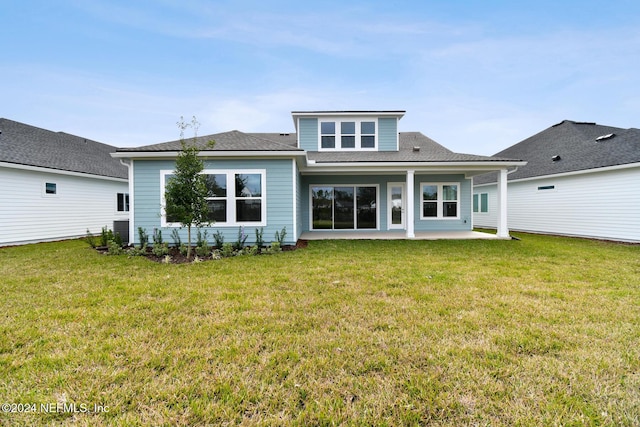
column 340, row 174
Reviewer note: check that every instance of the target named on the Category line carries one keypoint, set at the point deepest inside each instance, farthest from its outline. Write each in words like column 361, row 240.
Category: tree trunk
column 189, row 243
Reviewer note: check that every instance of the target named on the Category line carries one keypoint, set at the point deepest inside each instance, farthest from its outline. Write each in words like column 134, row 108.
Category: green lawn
column 542, row 331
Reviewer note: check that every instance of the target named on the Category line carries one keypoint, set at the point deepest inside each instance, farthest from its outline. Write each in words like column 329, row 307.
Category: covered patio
column 399, row 235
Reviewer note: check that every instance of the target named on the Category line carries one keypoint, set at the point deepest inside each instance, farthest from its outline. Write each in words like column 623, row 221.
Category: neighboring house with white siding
column 54, row 185
column 343, row 173
column 581, row 179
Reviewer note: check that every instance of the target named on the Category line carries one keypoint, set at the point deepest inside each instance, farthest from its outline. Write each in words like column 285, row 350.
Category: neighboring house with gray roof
column 581, row 179
column 341, row 171
column 56, row 185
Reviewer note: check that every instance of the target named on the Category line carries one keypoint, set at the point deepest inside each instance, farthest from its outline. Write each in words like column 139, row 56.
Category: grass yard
column 542, row 331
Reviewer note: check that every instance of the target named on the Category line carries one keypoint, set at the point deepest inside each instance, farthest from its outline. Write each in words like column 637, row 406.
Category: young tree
column 186, row 190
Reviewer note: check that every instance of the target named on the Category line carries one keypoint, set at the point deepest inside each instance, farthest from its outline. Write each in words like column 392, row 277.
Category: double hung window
column 440, row 200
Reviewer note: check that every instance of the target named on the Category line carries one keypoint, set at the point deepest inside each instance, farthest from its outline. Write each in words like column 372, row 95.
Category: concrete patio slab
column 397, row 235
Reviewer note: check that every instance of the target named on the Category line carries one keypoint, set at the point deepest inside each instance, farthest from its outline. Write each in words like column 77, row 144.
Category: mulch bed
column 179, row 258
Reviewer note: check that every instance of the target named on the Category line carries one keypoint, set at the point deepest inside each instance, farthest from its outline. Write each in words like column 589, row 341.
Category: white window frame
column 126, row 203
column 338, row 133
column 479, row 203
column 440, row 201
column 231, row 197
column 44, row 189
column 355, row 211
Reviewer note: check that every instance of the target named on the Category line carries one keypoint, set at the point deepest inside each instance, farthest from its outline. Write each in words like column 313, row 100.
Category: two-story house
column 342, row 174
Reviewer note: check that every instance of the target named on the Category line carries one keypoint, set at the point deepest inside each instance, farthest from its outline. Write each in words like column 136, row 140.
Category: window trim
column 478, row 205
column 355, row 211
column 440, row 201
column 56, row 192
column 230, row 198
column 358, row 133
column 127, row 206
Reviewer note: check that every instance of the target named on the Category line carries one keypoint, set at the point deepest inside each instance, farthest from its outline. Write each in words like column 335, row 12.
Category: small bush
column 143, row 237
column 175, row 236
column 157, row 237
column 113, row 248
column 160, row 249
column 227, row 250
column 273, row 249
column 133, row 251
column 183, row 249
column 281, row 235
column 91, row 239
column 242, row 237
column 259, row 238
column 219, row 238
column 204, row 250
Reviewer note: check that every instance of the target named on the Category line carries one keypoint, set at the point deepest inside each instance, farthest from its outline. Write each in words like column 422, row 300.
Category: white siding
column 490, row 219
column 28, row 215
column 603, row 204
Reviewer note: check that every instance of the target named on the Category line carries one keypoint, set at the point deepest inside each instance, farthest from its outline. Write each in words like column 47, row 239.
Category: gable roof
column 227, row 141
column 23, row 144
column 414, row 147
column 577, row 145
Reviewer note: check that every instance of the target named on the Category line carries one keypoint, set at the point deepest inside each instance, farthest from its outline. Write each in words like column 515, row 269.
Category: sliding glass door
column 348, row 207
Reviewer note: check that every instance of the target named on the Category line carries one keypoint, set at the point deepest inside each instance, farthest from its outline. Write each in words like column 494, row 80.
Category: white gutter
column 174, row 154
column 60, row 171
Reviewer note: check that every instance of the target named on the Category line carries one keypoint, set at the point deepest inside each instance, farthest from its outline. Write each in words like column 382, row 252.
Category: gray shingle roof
column 228, row 141
column 576, row 145
column 28, row 145
column 429, row 151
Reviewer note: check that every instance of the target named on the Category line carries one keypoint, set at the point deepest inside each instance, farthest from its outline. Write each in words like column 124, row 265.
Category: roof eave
column 470, row 168
column 230, row 153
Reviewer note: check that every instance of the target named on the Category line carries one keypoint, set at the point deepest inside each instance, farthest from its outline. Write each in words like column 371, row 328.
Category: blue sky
column 476, row 76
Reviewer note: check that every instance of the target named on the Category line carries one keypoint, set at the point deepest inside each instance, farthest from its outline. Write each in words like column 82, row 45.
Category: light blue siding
column 380, row 181
column 299, row 201
column 464, row 223
column 387, row 134
column 279, row 198
column 308, row 134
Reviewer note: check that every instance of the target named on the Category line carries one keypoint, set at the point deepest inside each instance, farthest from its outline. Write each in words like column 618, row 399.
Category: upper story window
column 348, row 134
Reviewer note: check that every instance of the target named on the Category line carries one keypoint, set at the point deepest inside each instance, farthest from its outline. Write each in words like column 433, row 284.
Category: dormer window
column 328, row 137
column 348, row 134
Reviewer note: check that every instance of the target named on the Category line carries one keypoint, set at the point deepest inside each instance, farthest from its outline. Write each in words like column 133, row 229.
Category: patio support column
column 503, row 228
column 410, row 204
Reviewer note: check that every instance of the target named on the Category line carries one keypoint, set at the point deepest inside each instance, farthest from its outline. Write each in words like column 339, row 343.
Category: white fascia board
column 60, row 172
column 174, row 154
column 466, row 167
column 573, row 173
column 382, row 113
